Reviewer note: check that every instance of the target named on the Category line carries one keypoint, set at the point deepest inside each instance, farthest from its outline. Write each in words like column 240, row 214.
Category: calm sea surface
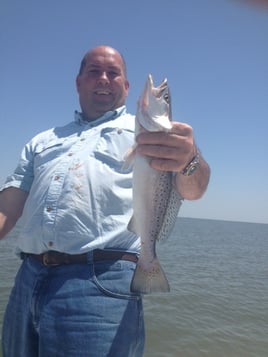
column 218, row 304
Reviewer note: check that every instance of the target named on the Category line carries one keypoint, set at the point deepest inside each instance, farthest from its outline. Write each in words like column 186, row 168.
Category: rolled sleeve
column 23, row 175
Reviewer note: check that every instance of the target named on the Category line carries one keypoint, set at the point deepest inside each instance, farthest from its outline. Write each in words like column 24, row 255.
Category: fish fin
column 149, row 279
column 131, row 225
column 129, row 158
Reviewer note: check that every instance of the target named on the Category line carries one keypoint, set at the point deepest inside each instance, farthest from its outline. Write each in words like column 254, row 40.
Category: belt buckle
column 46, row 260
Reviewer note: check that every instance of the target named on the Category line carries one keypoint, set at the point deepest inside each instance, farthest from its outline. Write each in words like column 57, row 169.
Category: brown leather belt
column 54, row 258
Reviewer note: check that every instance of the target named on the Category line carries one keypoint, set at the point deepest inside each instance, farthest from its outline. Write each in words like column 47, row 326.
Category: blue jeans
column 76, row 310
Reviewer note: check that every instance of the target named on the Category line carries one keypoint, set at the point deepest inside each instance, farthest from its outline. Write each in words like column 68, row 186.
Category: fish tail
column 149, row 278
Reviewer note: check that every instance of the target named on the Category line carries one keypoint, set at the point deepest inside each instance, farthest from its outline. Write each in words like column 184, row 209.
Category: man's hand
column 172, row 151
column 169, row 151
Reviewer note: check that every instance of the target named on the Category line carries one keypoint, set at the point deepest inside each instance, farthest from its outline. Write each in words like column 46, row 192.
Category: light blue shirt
column 80, row 195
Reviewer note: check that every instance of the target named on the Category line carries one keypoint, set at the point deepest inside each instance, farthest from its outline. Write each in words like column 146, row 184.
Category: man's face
column 102, row 85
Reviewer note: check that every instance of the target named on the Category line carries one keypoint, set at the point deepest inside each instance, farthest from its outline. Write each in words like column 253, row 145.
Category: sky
column 214, row 54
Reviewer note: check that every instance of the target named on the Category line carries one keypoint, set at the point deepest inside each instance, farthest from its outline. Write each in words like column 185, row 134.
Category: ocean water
column 218, row 304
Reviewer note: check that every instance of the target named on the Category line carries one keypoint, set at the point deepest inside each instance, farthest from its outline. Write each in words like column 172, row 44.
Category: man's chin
column 104, row 106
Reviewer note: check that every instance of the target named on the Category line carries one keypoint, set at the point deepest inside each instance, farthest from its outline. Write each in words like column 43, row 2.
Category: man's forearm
column 193, row 187
column 5, row 225
column 12, row 201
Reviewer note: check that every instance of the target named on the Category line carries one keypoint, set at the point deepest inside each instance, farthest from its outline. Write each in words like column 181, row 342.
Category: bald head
column 103, row 48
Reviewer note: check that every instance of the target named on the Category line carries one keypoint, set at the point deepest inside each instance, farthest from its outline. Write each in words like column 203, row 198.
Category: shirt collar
column 113, row 114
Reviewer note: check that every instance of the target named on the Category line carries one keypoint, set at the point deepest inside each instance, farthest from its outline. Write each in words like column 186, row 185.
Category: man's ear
column 78, row 82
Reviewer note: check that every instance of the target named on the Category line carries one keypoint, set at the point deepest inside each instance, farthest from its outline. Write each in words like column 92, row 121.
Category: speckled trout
column 155, row 201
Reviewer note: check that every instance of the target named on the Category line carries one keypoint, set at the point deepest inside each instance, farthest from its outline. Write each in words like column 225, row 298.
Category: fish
column 156, row 202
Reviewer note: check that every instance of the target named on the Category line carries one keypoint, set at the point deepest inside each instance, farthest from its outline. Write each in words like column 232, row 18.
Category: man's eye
column 93, row 71
column 113, row 73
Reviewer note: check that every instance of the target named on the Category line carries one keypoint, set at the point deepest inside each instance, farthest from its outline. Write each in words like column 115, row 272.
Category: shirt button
column 82, row 139
column 70, row 154
column 49, row 209
column 56, row 178
column 50, row 244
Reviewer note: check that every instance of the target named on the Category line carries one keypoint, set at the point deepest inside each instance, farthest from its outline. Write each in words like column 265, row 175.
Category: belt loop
column 90, row 257
column 23, row 255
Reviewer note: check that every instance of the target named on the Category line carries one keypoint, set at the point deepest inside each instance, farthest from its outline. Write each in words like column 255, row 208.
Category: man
column 72, row 293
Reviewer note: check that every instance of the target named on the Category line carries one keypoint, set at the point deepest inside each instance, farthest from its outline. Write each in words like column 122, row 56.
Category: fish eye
column 167, row 98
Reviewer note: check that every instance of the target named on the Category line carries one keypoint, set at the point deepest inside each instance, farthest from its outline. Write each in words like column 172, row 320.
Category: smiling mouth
column 102, row 92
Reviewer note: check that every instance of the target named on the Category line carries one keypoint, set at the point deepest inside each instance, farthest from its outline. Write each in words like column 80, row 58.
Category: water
column 218, row 304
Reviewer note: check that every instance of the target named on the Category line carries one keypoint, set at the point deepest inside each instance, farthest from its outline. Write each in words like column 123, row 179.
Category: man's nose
column 103, row 77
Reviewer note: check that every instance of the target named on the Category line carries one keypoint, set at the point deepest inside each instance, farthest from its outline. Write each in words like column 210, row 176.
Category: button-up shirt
column 80, row 193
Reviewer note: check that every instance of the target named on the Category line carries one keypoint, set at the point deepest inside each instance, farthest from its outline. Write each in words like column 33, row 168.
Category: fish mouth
column 160, row 92
column 154, row 106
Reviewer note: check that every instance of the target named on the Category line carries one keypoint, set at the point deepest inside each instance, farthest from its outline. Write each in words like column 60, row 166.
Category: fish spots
column 161, row 196
column 150, row 273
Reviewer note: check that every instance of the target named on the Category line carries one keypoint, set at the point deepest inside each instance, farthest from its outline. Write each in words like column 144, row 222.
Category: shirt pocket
column 112, row 147
column 47, row 152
